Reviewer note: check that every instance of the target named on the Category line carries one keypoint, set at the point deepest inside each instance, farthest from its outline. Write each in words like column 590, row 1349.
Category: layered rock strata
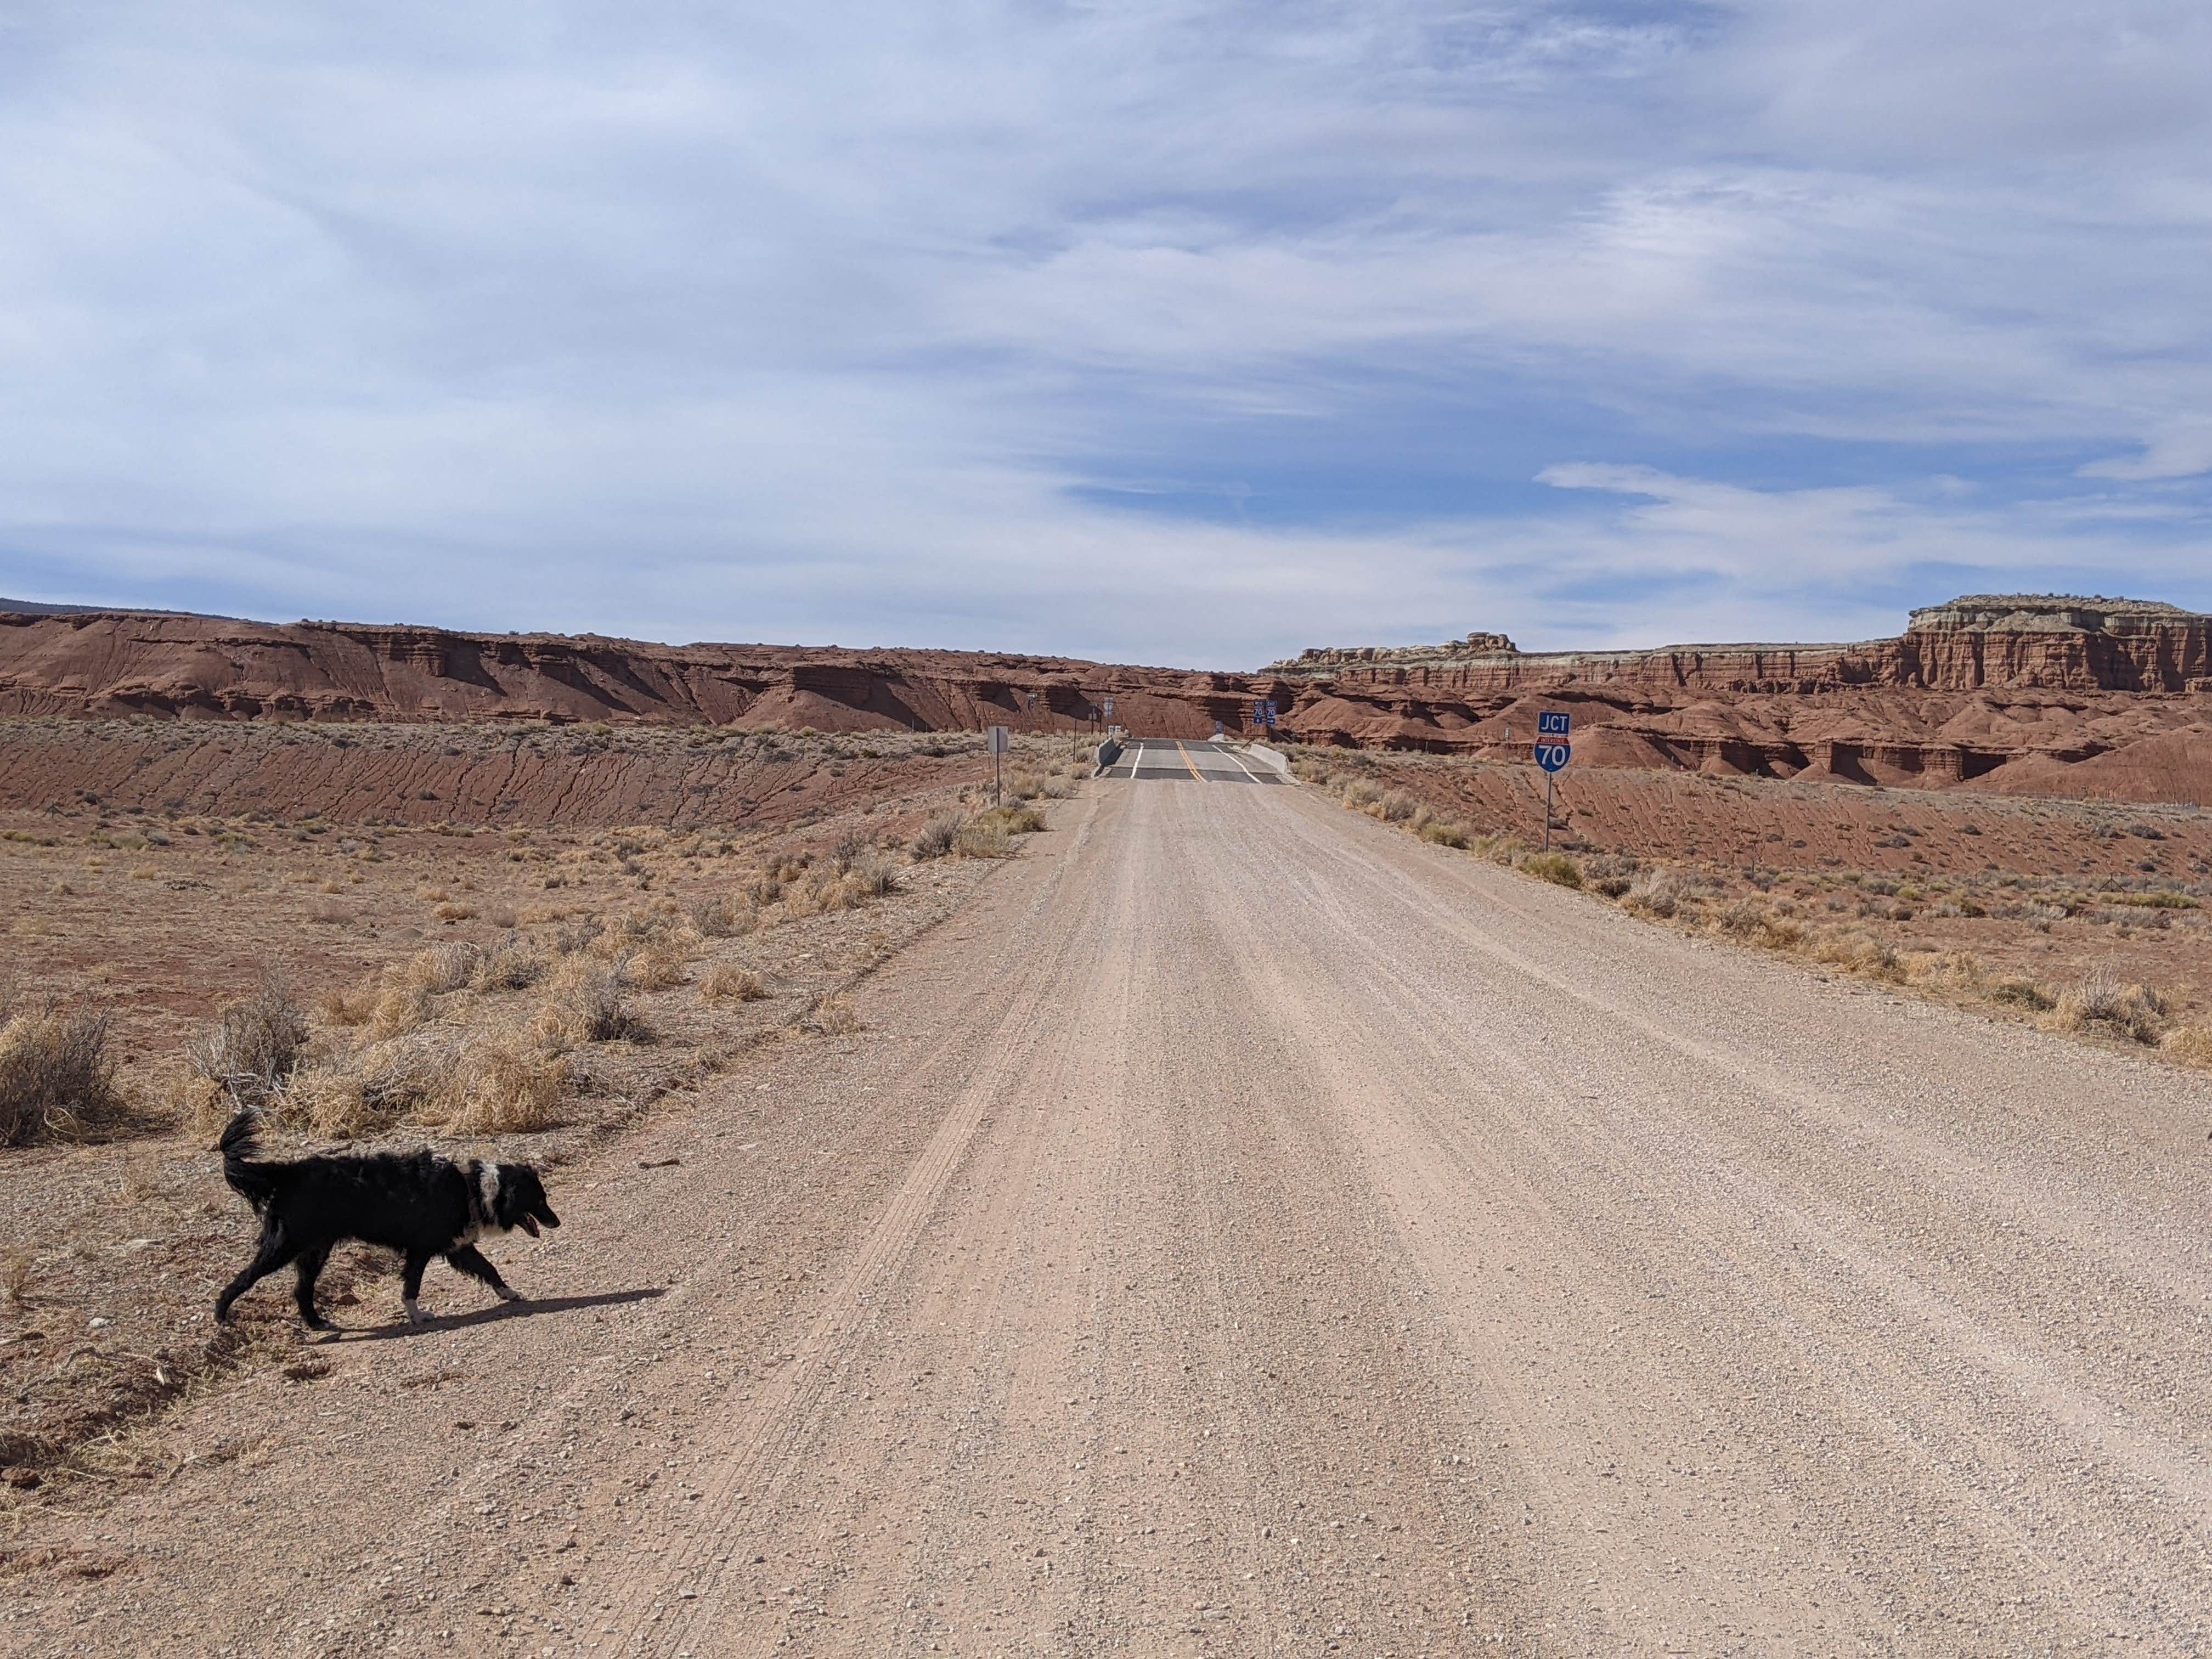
column 2032, row 693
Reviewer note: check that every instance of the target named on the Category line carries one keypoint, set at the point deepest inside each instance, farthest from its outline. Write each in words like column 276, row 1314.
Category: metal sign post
column 1553, row 753
column 998, row 745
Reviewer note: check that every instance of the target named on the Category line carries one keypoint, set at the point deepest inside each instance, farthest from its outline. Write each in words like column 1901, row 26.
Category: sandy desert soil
column 2050, row 892
column 1246, row 1229
column 716, row 941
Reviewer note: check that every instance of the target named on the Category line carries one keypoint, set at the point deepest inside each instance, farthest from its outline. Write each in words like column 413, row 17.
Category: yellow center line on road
column 1188, row 761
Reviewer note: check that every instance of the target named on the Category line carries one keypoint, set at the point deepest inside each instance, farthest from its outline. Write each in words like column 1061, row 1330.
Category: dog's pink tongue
column 530, row 1225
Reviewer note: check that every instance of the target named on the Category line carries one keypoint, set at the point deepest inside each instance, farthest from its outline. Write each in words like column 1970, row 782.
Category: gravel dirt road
column 1246, row 1230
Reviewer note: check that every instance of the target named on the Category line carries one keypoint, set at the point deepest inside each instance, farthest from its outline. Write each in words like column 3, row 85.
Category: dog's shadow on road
column 497, row 1311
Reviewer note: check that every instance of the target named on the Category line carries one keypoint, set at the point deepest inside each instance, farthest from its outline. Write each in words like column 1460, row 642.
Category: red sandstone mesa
column 2032, row 694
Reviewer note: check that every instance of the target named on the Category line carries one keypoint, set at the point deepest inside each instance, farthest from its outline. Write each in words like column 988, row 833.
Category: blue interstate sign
column 1551, row 724
column 1552, row 757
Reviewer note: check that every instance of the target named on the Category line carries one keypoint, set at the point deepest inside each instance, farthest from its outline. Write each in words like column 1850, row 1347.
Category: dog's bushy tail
column 249, row 1180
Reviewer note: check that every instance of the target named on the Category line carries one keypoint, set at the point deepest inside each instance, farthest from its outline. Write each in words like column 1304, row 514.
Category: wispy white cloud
column 842, row 322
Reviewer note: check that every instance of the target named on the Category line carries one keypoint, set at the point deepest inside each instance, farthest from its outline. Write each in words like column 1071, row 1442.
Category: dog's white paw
column 416, row 1313
column 506, row 1295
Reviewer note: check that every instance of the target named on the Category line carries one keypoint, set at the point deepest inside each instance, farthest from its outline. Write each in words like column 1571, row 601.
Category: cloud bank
column 1166, row 333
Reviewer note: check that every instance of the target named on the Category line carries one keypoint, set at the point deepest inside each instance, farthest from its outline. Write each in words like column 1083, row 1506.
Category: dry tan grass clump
column 723, row 917
column 728, row 983
column 2100, row 1001
column 57, row 1077
column 1861, row 954
column 837, row 1017
column 2189, row 1044
column 1944, row 970
column 1555, row 867
column 504, row 1090
column 513, row 965
column 659, row 966
column 2019, row 991
column 399, row 1008
column 586, row 1003
column 17, row 1263
column 375, row 1085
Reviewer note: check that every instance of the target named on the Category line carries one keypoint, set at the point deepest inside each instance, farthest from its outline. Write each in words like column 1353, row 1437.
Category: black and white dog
column 416, row 1203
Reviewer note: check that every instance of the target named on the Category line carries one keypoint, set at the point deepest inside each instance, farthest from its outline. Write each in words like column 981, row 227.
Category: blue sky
column 1158, row 332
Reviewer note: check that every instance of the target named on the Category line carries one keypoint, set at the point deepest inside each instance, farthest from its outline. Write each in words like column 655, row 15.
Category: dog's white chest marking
column 482, row 1221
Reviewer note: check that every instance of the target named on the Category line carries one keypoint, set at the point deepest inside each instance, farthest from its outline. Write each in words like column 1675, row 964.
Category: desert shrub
column 727, row 983
column 513, row 965
column 1397, row 806
column 373, row 1087
column 17, row 1263
column 502, row 1090
column 2018, row 990
column 1024, row 784
column 875, row 875
column 57, row 1077
column 2189, row 1044
column 1861, row 954
column 1943, row 971
column 1056, row 788
column 454, row 910
column 1555, row 867
column 571, row 936
column 252, row 1049
column 1361, row 793
column 939, row 836
column 442, row 968
column 2100, row 1001
column 719, row 917
column 835, row 1016
column 400, row 1007
column 1653, row 893
column 587, row 1003
column 979, row 840
column 659, row 966
column 1443, row 832
column 1020, row 819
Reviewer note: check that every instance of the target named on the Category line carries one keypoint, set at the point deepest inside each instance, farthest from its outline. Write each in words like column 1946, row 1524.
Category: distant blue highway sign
column 1553, row 757
column 1550, row 725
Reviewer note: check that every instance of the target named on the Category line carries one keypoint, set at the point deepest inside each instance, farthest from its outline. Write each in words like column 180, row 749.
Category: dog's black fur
column 416, row 1203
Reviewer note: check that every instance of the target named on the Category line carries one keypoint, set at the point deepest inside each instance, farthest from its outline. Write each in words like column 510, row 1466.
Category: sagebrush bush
column 721, row 917
column 2100, row 1000
column 1653, row 893
column 57, row 1077
column 252, row 1051
column 939, row 836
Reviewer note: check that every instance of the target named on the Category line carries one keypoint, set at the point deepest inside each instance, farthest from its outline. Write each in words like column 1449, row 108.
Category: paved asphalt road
column 1248, row 1231
column 1170, row 760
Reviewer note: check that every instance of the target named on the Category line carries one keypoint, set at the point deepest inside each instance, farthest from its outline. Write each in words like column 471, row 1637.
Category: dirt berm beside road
column 1247, row 1229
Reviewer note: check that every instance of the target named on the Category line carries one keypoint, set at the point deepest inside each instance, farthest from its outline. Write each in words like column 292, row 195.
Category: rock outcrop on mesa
column 2028, row 693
